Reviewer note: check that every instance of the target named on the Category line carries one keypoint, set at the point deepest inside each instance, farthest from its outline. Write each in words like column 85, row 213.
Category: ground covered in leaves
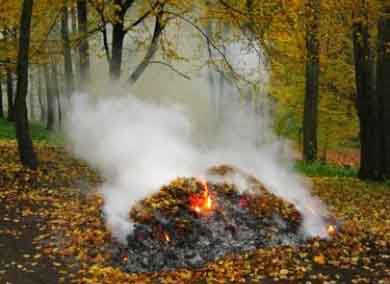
column 51, row 231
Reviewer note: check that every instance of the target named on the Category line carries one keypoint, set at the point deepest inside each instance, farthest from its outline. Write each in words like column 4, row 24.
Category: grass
column 321, row 169
column 38, row 132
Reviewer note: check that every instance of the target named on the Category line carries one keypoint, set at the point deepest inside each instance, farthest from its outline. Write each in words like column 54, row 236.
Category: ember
column 167, row 238
column 331, row 230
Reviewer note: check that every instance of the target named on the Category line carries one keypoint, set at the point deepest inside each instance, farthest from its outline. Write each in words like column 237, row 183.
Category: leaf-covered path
column 52, row 232
column 21, row 261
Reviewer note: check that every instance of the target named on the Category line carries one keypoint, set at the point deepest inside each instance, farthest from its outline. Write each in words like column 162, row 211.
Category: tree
column 1, row 100
column 25, row 146
column 31, row 98
column 158, row 28
column 82, row 17
column 10, row 95
column 310, row 112
column 117, row 10
column 40, row 98
column 118, row 36
column 56, row 93
column 373, row 91
column 69, row 80
column 49, row 98
column 383, row 90
column 366, row 103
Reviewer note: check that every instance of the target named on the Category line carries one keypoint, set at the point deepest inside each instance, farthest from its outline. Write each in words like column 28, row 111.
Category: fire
column 331, row 230
column 167, row 238
column 202, row 203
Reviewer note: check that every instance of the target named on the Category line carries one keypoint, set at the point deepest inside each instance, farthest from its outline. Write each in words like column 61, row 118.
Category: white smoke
column 165, row 127
column 139, row 146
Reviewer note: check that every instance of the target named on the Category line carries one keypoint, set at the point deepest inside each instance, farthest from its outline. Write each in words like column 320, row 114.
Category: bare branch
column 172, row 68
column 210, row 43
column 158, row 28
column 226, row 5
column 127, row 5
column 143, row 17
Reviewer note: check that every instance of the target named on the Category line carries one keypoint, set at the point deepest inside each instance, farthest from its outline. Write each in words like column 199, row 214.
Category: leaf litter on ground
column 72, row 233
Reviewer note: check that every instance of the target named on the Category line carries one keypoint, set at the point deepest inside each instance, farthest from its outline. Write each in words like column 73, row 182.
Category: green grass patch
column 38, row 132
column 321, row 169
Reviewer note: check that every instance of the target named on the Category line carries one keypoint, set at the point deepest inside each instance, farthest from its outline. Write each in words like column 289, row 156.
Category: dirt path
column 20, row 261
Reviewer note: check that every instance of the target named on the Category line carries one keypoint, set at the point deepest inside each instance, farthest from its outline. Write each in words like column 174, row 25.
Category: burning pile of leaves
column 191, row 222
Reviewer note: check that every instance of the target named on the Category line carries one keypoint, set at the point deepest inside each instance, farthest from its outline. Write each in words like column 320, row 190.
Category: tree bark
column 82, row 15
column 118, row 36
column 366, row 101
column 10, row 96
column 59, row 109
column 1, row 100
column 25, row 146
column 31, row 99
column 383, row 89
column 158, row 28
column 56, row 92
column 69, row 81
column 40, row 99
column 310, row 115
column 76, row 57
column 49, row 99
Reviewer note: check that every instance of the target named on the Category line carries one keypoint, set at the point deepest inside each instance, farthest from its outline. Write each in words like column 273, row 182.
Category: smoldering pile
column 190, row 222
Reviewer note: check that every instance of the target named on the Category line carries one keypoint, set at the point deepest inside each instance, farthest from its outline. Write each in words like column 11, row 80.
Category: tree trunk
column 76, row 57
column 40, row 99
column 25, row 146
column 59, row 110
column 1, row 100
column 82, row 16
column 73, row 19
column 158, row 28
column 118, row 36
column 56, row 92
column 49, row 99
column 366, row 101
column 31, row 98
column 69, row 81
column 10, row 96
column 312, row 81
column 383, row 89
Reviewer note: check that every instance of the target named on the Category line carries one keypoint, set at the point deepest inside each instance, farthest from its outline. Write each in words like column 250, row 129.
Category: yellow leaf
column 319, row 259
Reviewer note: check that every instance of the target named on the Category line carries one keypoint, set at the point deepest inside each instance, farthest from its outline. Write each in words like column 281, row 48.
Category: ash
column 186, row 239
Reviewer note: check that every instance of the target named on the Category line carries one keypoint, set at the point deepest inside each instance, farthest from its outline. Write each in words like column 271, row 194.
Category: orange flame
column 202, row 203
column 331, row 230
column 167, row 238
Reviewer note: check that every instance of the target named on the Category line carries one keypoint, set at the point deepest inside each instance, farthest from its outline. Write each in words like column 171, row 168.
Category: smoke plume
column 139, row 145
column 166, row 126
